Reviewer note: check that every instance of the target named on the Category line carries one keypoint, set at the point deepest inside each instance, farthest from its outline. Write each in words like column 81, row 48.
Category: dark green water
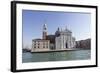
column 56, row 56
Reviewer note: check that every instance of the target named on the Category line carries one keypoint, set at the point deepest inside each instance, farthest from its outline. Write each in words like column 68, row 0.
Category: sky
column 33, row 21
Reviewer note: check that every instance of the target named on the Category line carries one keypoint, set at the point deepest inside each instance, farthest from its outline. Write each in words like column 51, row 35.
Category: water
column 56, row 56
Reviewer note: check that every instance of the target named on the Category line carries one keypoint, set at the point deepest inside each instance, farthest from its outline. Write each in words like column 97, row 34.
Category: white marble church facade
column 64, row 39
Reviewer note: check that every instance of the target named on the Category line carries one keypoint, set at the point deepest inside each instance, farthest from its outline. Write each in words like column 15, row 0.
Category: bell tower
column 44, row 31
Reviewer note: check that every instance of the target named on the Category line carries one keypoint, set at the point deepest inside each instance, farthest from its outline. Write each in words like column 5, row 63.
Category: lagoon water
column 56, row 56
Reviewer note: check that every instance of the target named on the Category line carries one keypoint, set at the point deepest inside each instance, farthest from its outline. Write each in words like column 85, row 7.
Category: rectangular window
column 47, row 46
column 34, row 46
column 43, row 44
column 34, row 41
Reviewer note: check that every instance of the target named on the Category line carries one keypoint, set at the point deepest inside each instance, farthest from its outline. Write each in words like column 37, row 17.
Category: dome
column 57, row 33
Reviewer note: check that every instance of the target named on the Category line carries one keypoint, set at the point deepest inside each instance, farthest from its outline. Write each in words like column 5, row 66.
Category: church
column 64, row 39
column 61, row 40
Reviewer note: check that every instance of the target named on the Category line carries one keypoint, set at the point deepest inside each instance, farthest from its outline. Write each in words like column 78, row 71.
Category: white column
column 61, row 41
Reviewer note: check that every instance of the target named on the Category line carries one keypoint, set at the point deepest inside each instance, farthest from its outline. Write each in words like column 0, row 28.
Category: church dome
column 57, row 33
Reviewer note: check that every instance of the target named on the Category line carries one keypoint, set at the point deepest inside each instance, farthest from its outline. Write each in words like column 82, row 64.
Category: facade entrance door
column 66, row 45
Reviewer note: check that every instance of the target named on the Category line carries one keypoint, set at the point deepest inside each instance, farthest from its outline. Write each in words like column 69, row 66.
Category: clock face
column 44, row 28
